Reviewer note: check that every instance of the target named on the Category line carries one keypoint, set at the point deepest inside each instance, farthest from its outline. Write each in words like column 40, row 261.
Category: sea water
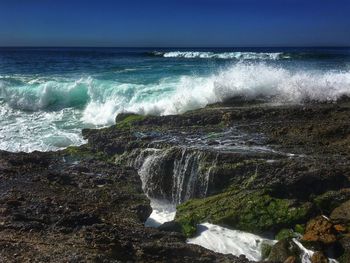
column 47, row 95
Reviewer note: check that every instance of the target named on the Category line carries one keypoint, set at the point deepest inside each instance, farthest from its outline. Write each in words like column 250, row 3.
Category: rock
column 344, row 254
column 319, row 257
column 171, row 226
column 290, row 259
column 266, row 248
column 340, row 228
column 55, row 208
column 122, row 116
column 320, row 229
column 252, row 211
column 285, row 250
column 341, row 214
column 329, row 200
column 80, row 205
column 285, row 233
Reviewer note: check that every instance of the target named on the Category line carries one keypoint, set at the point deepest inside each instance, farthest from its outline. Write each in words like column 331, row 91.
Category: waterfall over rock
column 175, row 174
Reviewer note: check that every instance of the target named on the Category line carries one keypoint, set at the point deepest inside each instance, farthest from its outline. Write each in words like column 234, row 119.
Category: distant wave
column 101, row 100
column 249, row 55
column 223, row 55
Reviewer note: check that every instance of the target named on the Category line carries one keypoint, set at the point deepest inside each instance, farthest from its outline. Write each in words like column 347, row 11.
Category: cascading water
column 174, row 174
column 187, row 176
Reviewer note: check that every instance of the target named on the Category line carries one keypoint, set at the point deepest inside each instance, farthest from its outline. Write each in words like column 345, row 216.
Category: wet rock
column 266, row 248
column 79, row 205
column 171, row 226
column 45, row 216
column 285, row 250
column 320, row 229
column 341, row 214
column 290, row 259
column 330, row 200
column 344, row 251
column 286, row 233
column 252, row 211
column 319, row 257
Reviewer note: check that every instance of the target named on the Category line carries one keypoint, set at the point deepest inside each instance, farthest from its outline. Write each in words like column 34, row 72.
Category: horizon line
column 282, row 46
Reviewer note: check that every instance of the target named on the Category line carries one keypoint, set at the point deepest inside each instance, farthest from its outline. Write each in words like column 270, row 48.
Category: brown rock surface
column 319, row 229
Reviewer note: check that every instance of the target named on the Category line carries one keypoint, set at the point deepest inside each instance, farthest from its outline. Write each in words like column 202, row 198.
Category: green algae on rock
column 252, row 211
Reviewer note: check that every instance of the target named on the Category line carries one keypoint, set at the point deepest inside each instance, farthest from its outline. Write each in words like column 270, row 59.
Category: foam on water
column 210, row 236
column 307, row 253
column 162, row 211
column 44, row 131
column 221, row 239
column 227, row 241
column 250, row 81
column 97, row 101
column 223, row 55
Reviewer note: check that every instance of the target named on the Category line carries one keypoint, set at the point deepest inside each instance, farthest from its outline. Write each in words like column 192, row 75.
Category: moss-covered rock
column 252, row 211
column 299, row 228
column 345, row 258
column 285, row 233
column 328, row 201
column 266, row 248
column 127, row 120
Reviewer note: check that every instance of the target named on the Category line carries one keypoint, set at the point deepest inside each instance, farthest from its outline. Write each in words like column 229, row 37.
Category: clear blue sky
column 175, row 23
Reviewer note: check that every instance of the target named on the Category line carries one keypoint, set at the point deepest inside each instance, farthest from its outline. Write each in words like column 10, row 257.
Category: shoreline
column 222, row 153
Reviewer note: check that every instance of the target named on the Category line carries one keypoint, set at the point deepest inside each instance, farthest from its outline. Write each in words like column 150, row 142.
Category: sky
column 175, row 23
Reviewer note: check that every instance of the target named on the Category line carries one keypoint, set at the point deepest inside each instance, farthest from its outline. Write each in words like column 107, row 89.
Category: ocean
column 47, row 95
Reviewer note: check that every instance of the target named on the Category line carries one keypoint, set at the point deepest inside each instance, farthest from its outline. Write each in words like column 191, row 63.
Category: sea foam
column 48, row 113
column 223, row 55
column 246, row 80
column 102, row 100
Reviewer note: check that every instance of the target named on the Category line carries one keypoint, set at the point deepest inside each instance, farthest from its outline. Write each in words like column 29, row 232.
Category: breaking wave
column 102, row 100
column 249, row 81
column 36, row 94
column 223, row 55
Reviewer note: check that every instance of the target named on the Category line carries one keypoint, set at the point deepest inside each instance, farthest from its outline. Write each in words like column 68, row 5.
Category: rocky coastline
column 277, row 170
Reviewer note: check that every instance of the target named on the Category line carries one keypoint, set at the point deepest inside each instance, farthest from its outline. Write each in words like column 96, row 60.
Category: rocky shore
column 272, row 170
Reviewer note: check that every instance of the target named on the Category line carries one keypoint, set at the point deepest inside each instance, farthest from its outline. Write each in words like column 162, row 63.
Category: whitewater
column 48, row 96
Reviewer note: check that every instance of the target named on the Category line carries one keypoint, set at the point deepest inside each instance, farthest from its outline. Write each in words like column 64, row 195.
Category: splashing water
column 67, row 90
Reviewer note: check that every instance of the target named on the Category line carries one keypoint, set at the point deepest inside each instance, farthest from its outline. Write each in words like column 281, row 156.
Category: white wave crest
column 101, row 100
column 36, row 94
column 247, row 80
column 224, row 55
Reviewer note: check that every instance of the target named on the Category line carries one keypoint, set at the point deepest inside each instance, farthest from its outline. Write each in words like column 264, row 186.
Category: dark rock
column 341, row 214
column 171, row 226
column 45, row 216
column 319, row 257
column 265, row 250
column 77, row 205
column 285, row 250
column 291, row 259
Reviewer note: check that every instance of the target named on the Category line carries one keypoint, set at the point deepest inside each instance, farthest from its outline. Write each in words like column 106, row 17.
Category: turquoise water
column 47, row 95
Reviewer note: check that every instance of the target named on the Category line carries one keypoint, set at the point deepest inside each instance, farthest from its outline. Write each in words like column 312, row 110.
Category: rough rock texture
column 285, row 251
column 319, row 257
column 320, row 229
column 57, row 207
column 341, row 214
column 303, row 174
column 260, row 168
